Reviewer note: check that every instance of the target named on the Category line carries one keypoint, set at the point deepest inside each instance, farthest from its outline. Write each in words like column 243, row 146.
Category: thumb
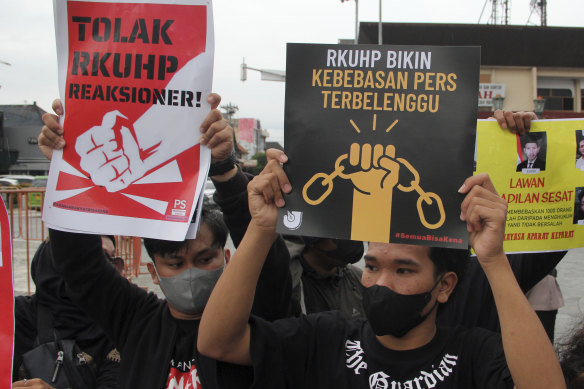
column 130, row 148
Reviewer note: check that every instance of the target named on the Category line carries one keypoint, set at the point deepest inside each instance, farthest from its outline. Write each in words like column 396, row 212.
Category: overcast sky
column 255, row 29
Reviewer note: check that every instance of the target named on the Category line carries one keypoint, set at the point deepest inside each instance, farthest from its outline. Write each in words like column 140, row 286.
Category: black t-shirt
column 183, row 365
column 328, row 350
column 191, row 370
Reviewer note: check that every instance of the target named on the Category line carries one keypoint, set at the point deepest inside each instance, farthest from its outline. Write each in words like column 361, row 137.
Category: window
column 557, row 99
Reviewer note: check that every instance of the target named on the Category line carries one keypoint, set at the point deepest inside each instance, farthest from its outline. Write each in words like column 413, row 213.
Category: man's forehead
column 107, row 245
column 531, row 144
column 391, row 251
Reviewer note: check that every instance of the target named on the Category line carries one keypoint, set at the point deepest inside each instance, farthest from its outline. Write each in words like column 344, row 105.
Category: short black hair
column 571, row 355
column 449, row 259
column 211, row 218
column 531, row 138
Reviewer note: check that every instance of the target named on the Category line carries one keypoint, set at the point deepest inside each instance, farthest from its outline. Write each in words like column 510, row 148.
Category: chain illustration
column 427, row 197
column 424, row 196
column 327, row 180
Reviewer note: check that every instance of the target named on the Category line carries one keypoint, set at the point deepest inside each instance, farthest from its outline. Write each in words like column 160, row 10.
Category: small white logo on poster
column 292, row 220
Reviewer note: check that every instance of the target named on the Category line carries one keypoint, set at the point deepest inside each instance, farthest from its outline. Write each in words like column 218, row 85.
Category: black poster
column 379, row 139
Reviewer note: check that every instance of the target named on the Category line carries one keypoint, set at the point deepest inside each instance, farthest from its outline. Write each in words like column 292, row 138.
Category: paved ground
column 570, row 278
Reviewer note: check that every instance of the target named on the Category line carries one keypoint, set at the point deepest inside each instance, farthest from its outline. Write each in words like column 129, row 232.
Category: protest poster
column 6, row 299
column 379, row 139
column 134, row 79
column 540, row 176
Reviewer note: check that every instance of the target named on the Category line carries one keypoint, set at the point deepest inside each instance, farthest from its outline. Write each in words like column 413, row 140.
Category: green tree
column 262, row 160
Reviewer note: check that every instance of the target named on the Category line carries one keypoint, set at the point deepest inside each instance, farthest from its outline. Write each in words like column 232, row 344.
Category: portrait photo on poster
column 579, row 206
column 580, row 149
column 531, row 152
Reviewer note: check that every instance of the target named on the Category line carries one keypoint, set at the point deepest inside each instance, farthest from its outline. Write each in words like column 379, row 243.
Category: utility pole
column 266, row 74
column 380, row 39
column 230, row 110
column 499, row 12
column 356, row 19
column 538, row 7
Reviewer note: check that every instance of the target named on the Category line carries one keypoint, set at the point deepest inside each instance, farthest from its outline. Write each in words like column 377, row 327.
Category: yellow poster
column 541, row 175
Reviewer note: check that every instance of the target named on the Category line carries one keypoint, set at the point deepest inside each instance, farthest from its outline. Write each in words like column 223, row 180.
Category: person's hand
column 485, row 213
column 217, row 133
column 515, row 122
column 265, row 192
column 34, row 383
column 51, row 136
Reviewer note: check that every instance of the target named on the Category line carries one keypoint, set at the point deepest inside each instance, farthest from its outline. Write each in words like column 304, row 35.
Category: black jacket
column 473, row 304
column 68, row 320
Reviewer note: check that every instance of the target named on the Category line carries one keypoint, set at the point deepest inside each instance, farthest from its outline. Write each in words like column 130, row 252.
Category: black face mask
column 391, row 313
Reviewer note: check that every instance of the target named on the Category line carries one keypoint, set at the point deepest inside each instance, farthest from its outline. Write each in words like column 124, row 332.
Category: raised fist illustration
column 372, row 169
column 110, row 153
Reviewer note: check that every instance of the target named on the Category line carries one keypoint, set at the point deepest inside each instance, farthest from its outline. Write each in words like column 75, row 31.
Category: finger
column 482, row 179
column 50, row 139
column 519, row 124
column 277, row 155
column 499, row 115
column 377, row 153
column 366, row 156
column 265, row 188
column 218, row 133
column 52, row 122
column 510, row 121
column 354, row 154
column 278, row 198
column 273, row 167
column 527, row 118
column 57, row 107
column 479, row 192
column 212, row 117
column 388, row 164
column 214, row 99
column 481, row 210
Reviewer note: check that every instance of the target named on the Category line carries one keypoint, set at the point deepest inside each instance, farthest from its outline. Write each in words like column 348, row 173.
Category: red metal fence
column 24, row 208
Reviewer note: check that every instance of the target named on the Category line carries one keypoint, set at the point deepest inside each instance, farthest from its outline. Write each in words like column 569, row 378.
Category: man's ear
column 227, row 255
column 446, row 286
column 152, row 271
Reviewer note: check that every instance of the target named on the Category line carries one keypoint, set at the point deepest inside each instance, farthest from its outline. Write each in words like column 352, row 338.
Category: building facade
column 528, row 61
column 20, row 126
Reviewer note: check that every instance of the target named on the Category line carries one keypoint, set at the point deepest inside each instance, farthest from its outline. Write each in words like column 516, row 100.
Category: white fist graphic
column 110, row 153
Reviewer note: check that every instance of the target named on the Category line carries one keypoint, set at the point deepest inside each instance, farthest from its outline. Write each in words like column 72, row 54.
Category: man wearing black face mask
column 399, row 345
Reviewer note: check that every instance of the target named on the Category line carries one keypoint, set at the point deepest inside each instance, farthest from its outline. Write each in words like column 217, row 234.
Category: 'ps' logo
column 292, row 220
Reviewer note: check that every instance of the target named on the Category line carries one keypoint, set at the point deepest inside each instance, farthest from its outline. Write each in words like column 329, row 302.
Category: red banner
column 6, row 301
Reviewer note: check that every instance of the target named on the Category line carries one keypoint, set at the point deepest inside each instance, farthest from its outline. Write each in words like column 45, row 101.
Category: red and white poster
column 6, row 300
column 134, row 78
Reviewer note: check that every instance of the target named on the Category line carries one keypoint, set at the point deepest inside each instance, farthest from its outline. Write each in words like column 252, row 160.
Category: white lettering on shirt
column 380, row 380
column 354, row 354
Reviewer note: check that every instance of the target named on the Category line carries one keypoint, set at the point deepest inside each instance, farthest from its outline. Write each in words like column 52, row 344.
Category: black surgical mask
column 391, row 313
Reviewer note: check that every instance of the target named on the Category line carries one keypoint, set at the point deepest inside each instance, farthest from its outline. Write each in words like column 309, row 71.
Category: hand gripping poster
column 541, row 175
column 379, row 139
column 133, row 78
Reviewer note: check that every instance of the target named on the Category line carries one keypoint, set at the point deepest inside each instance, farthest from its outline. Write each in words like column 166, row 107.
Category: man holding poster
column 133, row 80
column 157, row 338
column 399, row 345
